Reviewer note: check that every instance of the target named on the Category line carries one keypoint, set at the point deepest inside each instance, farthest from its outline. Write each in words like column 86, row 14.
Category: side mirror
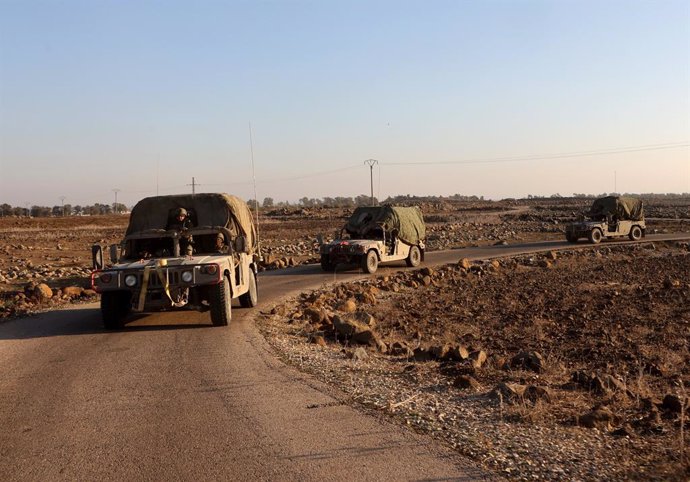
column 96, row 256
column 114, row 253
column 240, row 244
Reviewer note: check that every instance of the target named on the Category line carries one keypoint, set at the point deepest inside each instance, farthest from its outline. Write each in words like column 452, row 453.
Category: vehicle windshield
column 163, row 246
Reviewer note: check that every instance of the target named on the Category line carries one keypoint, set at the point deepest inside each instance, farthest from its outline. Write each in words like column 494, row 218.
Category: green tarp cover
column 222, row 210
column 408, row 221
column 624, row 208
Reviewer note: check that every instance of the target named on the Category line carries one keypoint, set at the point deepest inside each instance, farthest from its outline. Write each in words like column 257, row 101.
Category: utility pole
column 62, row 198
column 371, row 163
column 194, row 185
column 615, row 182
column 116, row 190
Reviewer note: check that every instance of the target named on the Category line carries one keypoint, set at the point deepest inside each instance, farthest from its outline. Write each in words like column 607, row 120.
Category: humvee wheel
column 115, row 306
column 571, row 238
column 370, row 262
column 221, row 303
column 326, row 263
column 595, row 236
column 251, row 297
column 635, row 233
column 414, row 258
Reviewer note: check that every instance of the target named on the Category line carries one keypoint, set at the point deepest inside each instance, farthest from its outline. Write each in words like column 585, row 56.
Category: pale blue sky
column 94, row 93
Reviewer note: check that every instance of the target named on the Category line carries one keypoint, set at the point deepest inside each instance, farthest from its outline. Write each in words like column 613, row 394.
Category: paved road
column 171, row 398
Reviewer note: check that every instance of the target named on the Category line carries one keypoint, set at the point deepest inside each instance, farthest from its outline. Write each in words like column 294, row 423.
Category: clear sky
column 142, row 96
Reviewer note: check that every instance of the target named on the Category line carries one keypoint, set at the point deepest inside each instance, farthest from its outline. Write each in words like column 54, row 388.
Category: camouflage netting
column 408, row 221
column 624, row 208
column 217, row 210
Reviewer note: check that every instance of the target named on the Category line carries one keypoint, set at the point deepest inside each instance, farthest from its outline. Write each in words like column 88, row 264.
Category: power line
column 537, row 157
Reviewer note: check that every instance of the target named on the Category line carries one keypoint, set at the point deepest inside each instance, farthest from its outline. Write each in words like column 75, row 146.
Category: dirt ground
column 571, row 366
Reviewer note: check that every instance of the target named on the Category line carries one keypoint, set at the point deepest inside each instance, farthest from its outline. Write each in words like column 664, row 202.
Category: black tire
column 571, row 238
column 595, row 236
column 370, row 262
column 635, row 233
column 414, row 258
column 326, row 263
column 115, row 306
column 251, row 297
column 221, row 303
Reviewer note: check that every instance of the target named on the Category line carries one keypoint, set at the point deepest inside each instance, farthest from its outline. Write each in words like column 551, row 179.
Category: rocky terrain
column 56, row 251
column 572, row 365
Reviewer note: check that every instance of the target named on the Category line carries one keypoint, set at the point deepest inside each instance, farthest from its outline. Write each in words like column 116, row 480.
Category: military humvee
column 151, row 273
column 378, row 234
column 610, row 217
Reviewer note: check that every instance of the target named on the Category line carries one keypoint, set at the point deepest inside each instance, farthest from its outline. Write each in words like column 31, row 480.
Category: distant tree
column 119, row 208
column 252, row 204
column 5, row 209
column 268, row 202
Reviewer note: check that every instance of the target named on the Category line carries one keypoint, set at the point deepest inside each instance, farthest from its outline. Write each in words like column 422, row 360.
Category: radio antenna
column 256, row 199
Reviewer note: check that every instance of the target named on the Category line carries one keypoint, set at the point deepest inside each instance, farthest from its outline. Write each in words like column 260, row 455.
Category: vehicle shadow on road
column 80, row 322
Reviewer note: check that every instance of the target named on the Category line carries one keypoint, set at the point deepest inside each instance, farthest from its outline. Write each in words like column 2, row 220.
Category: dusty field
column 568, row 366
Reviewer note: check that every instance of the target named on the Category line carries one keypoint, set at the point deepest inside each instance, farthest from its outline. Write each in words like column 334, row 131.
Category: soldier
column 181, row 222
column 221, row 247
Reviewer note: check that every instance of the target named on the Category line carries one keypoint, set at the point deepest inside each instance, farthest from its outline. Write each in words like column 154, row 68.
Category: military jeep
column 151, row 272
column 609, row 217
column 375, row 235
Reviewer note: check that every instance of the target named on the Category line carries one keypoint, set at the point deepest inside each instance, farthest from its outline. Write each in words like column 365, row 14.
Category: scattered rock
column 458, row 353
column 355, row 330
column 535, row 393
column 421, row 354
column 318, row 340
column 348, row 306
column 72, row 291
column 670, row 283
column 401, row 349
column 360, row 354
column 478, row 358
column 600, row 418
column 528, row 360
column 545, row 263
column 88, row 293
column 672, row 403
column 552, row 255
column 465, row 263
column 439, row 351
column 509, row 392
column 467, row 382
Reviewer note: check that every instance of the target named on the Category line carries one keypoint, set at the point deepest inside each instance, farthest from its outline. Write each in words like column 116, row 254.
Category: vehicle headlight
column 209, row 269
column 131, row 280
column 187, row 276
column 106, row 277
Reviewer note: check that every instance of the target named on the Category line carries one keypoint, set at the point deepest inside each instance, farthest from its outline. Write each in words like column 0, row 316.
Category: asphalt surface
column 171, row 397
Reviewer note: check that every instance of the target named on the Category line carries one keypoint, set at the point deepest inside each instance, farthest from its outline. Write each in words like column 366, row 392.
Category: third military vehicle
column 161, row 266
column 377, row 234
column 610, row 217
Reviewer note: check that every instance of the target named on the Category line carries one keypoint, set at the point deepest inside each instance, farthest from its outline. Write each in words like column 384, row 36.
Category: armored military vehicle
column 203, row 266
column 609, row 217
column 375, row 235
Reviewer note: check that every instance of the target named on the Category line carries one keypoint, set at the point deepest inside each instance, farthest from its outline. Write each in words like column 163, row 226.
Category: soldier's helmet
column 181, row 212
